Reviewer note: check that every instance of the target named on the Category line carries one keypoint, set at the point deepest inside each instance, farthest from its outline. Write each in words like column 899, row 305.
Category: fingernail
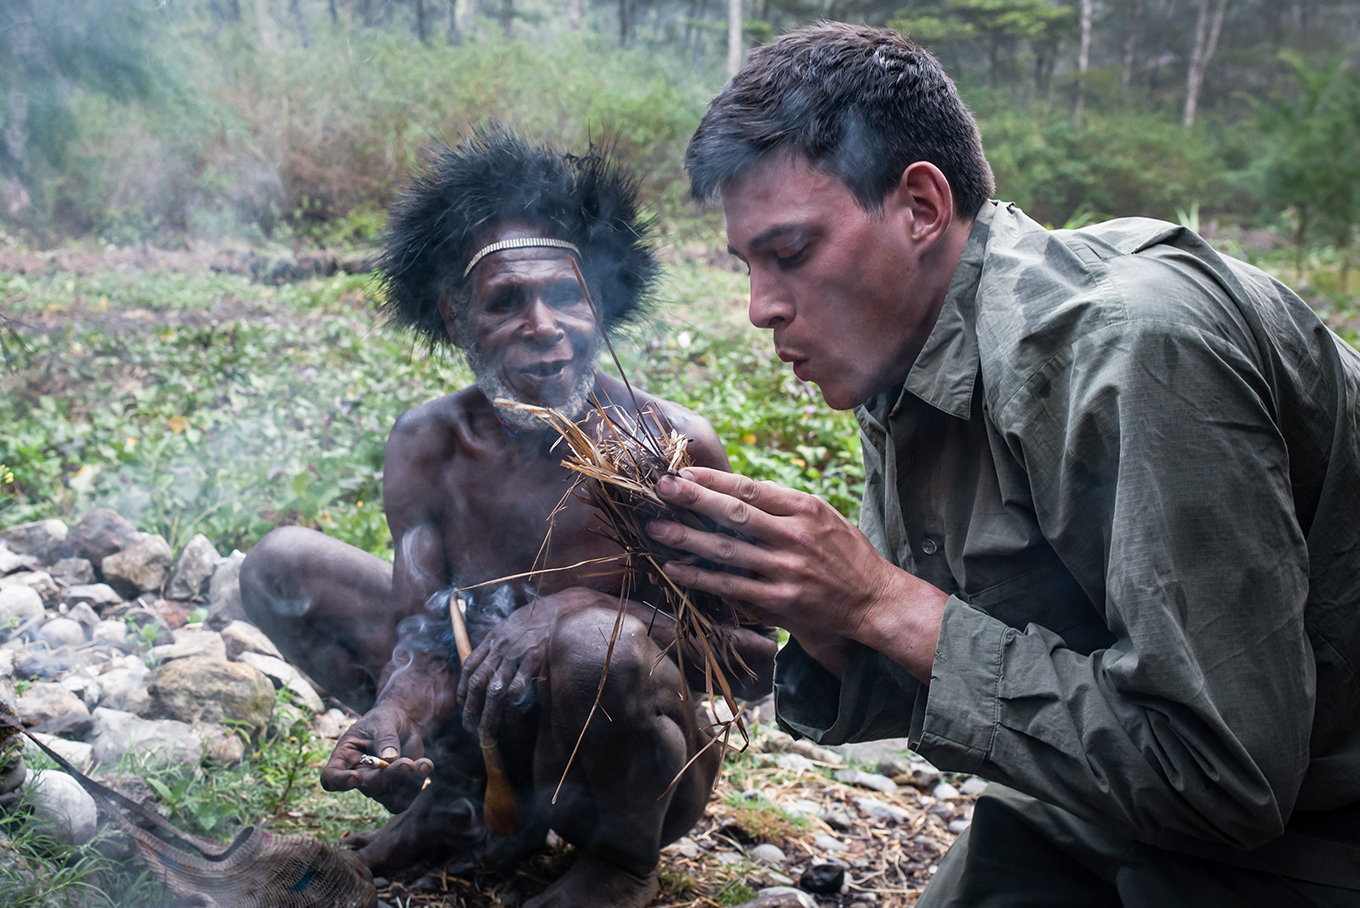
column 389, row 753
column 667, row 486
column 687, row 473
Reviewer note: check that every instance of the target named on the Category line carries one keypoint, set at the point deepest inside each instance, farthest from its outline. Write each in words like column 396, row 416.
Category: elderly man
column 480, row 254
column 1110, row 554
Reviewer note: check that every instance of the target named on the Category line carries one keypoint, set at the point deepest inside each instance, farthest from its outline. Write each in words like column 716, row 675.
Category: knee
column 270, row 590
column 635, row 670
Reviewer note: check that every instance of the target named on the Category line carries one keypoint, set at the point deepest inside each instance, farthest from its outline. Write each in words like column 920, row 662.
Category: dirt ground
column 887, row 862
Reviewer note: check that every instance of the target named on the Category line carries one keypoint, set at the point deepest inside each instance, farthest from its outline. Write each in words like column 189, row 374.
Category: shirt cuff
column 959, row 723
column 876, row 698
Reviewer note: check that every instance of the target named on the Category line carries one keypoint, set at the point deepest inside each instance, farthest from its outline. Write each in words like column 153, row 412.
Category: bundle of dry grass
column 619, row 469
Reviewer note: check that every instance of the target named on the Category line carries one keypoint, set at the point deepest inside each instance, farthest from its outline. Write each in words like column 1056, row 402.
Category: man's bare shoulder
column 428, row 436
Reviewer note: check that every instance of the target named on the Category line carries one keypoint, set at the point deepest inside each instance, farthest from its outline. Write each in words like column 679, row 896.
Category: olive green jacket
column 1134, row 465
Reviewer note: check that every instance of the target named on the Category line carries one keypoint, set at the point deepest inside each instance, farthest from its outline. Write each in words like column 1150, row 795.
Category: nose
column 770, row 306
column 540, row 323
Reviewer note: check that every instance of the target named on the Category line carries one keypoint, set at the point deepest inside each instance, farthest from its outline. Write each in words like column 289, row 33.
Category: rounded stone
column 61, row 808
column 770, row 854
column 63, row 632
column 21, row 602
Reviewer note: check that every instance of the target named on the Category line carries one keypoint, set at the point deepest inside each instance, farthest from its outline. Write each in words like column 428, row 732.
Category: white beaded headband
column 523, row 242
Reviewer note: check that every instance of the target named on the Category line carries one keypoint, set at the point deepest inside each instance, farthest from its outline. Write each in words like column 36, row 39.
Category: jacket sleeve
column 1161, row 480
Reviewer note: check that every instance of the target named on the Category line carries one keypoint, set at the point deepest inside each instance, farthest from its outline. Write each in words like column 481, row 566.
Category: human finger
column 385, row 732
column 724, row 584
column 470, row 666
column 495, row 702
column 717, row 547
column 475, row 700
column 767, row 497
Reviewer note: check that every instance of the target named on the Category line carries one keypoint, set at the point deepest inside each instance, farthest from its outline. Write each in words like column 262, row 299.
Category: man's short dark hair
column 498, row 178
column 861, row 103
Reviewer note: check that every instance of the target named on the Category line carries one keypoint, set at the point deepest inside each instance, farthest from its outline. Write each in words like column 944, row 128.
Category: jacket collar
column 946, row 369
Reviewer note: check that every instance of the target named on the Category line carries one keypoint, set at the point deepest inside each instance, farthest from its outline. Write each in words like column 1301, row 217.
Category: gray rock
column 77, row 753
column 41, row 539
column 62, row 632
column 221, row 744
column 923, row 774
column 19, row 603
column 61, row 808
column 99, row 596
column 870, row 780
column 85, row 686
column 194, row 568
column 286, row 676
column 829, row 843
column 82, row 612
column 803, row 807
column 198, row 690
column 191, row 642
column 769, row 854
column 72, row 727
column 780, row 897
column 289, row 678
column 73, row 571
column 99, row 534
column 117, row 684
column 47, row 700
column 684, row 847
column 944, row 791
column 40, row 582
column 973, row 786
column 11, row 562
column 838, row 820
column 155, row 740
column 958, row 827
column 794, row 761
column 141, row 567
column 39, row 660
column 244, row 637
column 114, row 632
column 875, row 809
column 224, row 592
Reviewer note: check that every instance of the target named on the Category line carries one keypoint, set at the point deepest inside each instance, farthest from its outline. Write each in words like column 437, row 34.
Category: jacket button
column 928, row 546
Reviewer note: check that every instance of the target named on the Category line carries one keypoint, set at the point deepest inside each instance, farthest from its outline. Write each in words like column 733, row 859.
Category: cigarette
column 370, row 760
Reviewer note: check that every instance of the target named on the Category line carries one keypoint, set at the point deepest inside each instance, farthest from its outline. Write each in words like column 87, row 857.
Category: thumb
column 387, row 736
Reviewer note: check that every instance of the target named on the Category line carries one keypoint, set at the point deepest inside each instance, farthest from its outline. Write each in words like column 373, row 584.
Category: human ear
column 447, row 313
column 925, row 201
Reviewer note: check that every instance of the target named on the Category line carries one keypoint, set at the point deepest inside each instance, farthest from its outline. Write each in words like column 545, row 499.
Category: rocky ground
column 114, row 648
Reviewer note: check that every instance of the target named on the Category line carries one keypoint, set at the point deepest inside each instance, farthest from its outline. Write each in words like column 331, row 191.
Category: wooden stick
column 500, row 807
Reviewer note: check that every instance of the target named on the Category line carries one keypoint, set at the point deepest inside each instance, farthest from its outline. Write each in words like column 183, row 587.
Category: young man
column 480, row 254
column 1110, row 554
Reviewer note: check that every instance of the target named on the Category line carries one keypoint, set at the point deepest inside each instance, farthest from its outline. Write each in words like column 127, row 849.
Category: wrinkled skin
column 468, row 500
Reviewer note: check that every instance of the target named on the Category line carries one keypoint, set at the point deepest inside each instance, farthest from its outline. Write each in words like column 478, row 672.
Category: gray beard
column 574, row 407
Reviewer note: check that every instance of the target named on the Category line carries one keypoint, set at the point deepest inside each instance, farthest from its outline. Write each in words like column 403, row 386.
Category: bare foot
column 431, row 830
column 593, row 883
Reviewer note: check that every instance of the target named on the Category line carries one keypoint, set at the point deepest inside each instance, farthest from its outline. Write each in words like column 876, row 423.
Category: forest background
column 214, row 402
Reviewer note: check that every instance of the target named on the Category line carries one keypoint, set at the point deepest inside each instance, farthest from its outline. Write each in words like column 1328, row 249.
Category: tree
column 1207, row 29
column 733, row 37
column 49, row 51
column 994, row 21
column 1130, row 44
column 1311, row 163
column 1083, row 60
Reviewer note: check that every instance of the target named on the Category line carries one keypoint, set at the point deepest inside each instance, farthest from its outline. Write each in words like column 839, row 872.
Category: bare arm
column 416, row 687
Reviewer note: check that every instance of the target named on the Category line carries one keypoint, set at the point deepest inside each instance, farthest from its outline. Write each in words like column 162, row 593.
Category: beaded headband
column 523, row 242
